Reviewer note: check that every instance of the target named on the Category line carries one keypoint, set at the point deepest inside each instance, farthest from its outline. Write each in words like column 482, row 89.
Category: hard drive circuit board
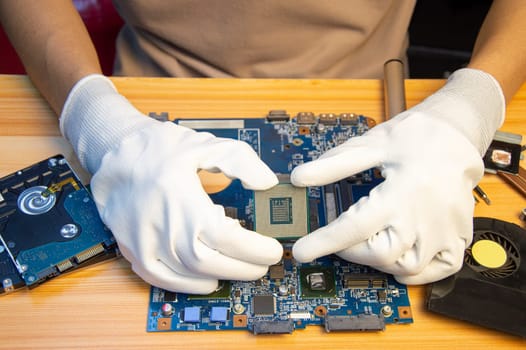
column 328, row 292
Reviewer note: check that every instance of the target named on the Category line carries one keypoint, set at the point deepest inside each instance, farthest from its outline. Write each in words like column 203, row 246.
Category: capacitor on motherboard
column 167, row 309
column 238, row 309
column 283, row 290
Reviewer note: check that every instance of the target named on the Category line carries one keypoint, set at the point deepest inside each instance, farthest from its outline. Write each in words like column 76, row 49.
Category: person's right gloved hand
column 418, row 222
column 147, row 191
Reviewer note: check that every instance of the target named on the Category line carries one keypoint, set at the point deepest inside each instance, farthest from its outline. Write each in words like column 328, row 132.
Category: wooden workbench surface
column 105, row 306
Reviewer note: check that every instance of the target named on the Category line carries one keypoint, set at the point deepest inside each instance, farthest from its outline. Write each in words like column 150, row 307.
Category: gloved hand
column 147, row 191
column 417, row 223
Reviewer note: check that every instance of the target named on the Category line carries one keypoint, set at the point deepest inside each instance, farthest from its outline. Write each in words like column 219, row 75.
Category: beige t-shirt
column 261, row 38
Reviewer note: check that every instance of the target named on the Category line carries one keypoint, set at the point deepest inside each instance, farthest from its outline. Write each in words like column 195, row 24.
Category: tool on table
column 394, row 88
column 478, row 190
column 503, row 158
column 517, row 180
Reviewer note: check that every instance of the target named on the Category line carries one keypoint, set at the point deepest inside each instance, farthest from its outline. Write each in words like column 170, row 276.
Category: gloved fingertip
column 194, row 288
column 409, row 280
column 421, row 278
column 159, row 275
column 301, row 177
column 275, row 252
column 266, row 251
column 198, row 287
column 301, row 253
column 264, row 180
column 254, row 273
column 203, row 289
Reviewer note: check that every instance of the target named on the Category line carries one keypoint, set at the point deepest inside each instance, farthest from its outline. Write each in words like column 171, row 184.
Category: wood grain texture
column 104, row 307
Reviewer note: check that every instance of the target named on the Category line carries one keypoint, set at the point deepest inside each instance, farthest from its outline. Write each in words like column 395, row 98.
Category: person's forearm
column 500, row 49
column 53, row 44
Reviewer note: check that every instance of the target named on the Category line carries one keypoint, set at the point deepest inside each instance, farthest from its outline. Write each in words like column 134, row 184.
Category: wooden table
column 105, row 306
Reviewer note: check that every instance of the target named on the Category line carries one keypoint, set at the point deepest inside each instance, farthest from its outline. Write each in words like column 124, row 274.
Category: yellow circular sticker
column 488, row 253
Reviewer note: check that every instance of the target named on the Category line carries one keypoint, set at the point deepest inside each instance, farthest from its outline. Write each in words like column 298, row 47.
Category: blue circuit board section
column 328, row 292
column 284, row 143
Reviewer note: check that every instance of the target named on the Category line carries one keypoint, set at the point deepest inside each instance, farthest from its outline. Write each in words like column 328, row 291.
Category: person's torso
column 265, row 38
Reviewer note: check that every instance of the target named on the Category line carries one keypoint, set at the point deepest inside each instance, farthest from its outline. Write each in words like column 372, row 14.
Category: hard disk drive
column 49, row 225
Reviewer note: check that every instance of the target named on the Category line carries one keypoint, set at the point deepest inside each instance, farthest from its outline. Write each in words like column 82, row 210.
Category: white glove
column 147, row 191
column 418, row 222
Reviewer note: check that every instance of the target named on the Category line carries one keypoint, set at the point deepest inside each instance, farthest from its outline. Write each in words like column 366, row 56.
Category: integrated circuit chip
column 170, row 296
column 317, row 282
column 282, row 211
column 276, row 271
column 264, row 305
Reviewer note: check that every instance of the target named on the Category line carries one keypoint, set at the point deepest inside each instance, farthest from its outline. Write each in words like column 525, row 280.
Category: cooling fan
column 490, row 289
column 492, row 254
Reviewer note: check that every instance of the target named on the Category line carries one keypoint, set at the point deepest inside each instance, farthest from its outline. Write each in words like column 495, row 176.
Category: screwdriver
column 478, row 190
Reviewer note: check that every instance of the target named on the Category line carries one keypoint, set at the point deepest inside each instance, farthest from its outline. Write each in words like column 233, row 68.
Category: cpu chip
column 282, row 212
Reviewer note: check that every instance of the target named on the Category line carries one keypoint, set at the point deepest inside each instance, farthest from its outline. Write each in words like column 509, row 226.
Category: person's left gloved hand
column 147, row 191
column 417, row 223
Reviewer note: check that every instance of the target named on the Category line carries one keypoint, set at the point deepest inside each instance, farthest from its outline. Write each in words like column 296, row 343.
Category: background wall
column 442, row 35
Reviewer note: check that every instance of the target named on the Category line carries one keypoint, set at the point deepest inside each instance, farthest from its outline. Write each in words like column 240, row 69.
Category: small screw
column 69, row 230
column 387, row 311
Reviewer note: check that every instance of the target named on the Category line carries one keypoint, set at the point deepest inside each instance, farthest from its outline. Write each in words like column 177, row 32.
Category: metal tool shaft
column 394, row 88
